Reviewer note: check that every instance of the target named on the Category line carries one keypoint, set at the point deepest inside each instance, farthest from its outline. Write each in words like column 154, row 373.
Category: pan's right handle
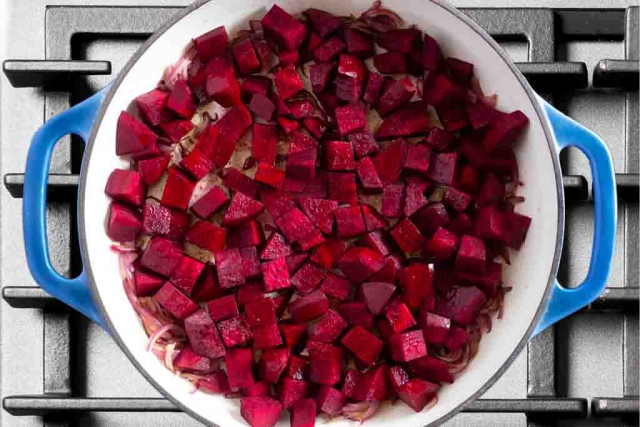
column 78, row 120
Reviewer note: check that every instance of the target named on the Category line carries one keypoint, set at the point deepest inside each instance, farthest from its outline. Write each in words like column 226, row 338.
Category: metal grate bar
column 590, row 23
column 51, row 74
column 549, row 76
column 623, row 300
column 39, row 405
column 617, row 73
column 614, row 407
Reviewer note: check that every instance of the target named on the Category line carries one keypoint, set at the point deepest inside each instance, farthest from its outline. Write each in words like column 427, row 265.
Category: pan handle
column 565, row 301
column 78, row 120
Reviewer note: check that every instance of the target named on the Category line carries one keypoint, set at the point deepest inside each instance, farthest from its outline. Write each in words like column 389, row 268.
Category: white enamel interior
column 530, row 268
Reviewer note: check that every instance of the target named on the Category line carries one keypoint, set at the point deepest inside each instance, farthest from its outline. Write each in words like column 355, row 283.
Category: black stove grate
column 542, row 28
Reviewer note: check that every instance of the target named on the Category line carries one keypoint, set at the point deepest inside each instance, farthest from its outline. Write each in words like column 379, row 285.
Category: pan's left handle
column 78, row 120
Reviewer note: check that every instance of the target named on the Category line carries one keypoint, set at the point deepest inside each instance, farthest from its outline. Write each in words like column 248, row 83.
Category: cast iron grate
column 542, row 28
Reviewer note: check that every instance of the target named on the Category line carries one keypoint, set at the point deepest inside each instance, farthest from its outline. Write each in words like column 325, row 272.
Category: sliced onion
column 360, row 411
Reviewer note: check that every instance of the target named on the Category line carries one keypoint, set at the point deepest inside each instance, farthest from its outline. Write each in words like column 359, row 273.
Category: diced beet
column 372, row 219
column 350, row 118
column 397, row 377
column 275, row 247
column 517, row 228
column 260, row 411
column 363, row 344
column 456, row 199
column 146, row 284
column 417, row 393
column 148, row 152
column 320, row 211
column 342, row 187
column 161, row 256
column 215, row 382
column 308, row 307
column 261, row 388
column 349, row 384
column 456, row 339
column 272, row 363
column 414, row 200
column 186, row 274
column 431, row 54
column 295, row 225
column 407, row 236
column 491, row 191
column 227, row 263
column 430, row 368
column 275, row 275
column 324, row 371
column 399, row 316
column 239, row 363
column 359, row 263
column 208, row 287
column 250, row 262
column 442, row 91
column 323, row 22
column 132, row 135
column 269, row 175
column 327, row 328
column 292, row 334
column 439, row 139
column 249, row 292
column 368, row 175
column 300, row 141
column 504, row 130
column 245, row 55
column 387, row 274
column 320, row 74
column 371, row 385
column 321, row 350
column 289, row 57
column 418, row 157
column 384, row 328
column 235, row 331
column 152, row 169
column 482, row 114
column 175, row 302
column 401, row 40
column 336, row 286
column 363, row 143
column 212, row 43
column 330, row 400
column 302, row 164
column 471, row 255
column 203, row 335
column 443, row 168
column 151, row 106
column 327, row 253
column 395, row 95
column 126, row 187
column 237, row 181
column 277, row 203
column 339, row 155
column 206, row 236
column 181, row 101
column 315, row 126
column 443, row 244
column 353, row 67
column 255, row 84
column 244, row 235
column 468, row 179
column 221, row 83
column 264, row 52
column 393, row 200
column 230, row 127
column 260, row 313
column 349, row 222
column 301, row 108
column 435, row 328
column 461, row 71
column 348, row 88
column 262, row 106
column 197, row 164
column 307, row 278
column 417, row 284
column 390, row 62
column 390, row 161
column 328, row 50
column 223, row 308
column 303, row 413
column 188, row 361
column 291, row 391
column 376, row 295
column 372, row 90
column 242, row 208
column 462, row 304
column 358, row 43
column 287, row 81
column 124, row 223
column 288, row 32
column 294, row 261
column 376, row 241
column 356, row 313
column 177, row 190
column 461, row 225
column 491, row 224
column 429, row 218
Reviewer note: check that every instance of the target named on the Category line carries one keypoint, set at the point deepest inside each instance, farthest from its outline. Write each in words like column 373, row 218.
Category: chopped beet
column 407, row 346
column 429, row 218
column 435, row 328
column 126, row 187
column 408, row 121
column 208, row 288
column 387, row 273
column 292, row 334
column 443, row 244
column 260, row 313
column 430, row 368
column 241, row 209
column 418, row 157
column 456, row 339
column 227, row 262
column 291, row 391
column 177, row 190
column 372, row 219
column 342, row 187
column 266, row 336
column 320, row 74
column 439, row 139
column 197, row 164
column 328, row 252
column 393, row 200
column 417, row 393
column 175, row 302
column 407, row 236
column 124, row 224
column 336, row 286
column 245, row 55
column 399, row 316
column 132, row 135
column 203, row 335
column 186, row 274
column 212, row 44
column 363, row 143
column 390, row 62
column 350, row 118
column 377, row 241
column 295, row 225
column 504, row 130
column 376, row 295
column 275, row 247
column 239, row 363
column 338, row 155
column 250, row 262
column 235, row 331
column 414, row 200
column 275, row 275
column 442, row 91
column 221, row 83
column 395, row 95
column 269, row 175
column 372, row 90
column 518, row 226
column 330, row 400
column 471, row 255
column 146, row 284
column 161, row 256
column 349, row 384
column 181, row 101
column 237, row 181
column 358, row 263
column 323, row 22
column 288, row 32
column 206, row 236
column 491, row 191
column 462, row 304
column 371, row 385
column 401, row 40
column 356, row 313
column 260, row 411
column 152, row 107
column 325, row 371
column 223, row 308
column 482, row 114
column 328, row 50
column 303, row 413
column 262, row 106
column 417, row 284
column 491, row 224
column 188, row 361
column 287, row 81
column 308, row 307
column 255, row 84
column 152, row 169
column 368, row 175
column 327, row 328
column 294, row 261
column 261, row 388
column 307, row 278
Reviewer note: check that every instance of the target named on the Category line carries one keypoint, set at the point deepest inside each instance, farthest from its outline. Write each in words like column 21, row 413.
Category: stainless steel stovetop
column 58, row 369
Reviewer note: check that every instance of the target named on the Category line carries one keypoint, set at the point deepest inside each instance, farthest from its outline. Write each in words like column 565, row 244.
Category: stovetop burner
column 559, row 379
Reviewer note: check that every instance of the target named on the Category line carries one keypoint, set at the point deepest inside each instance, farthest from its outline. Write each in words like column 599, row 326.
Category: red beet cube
column 152, row 169
column 320, row 74
column 372, row 219
column 431, row 217
column 491, row 224
column 327, row 329
column 275, row 275
column 390, row 161
column 177, row 190
column 390, row 62
column 338, row 155
column 324, row 371
column 275, row 247
column 342, row 187
column 410, row 120
column 303, row 413
column 442, row 91
column 245, row 235
column 132, row 135
column 262, row 106
column 237, row 181
column 320, row 211
column 288, row 32
column 241, row 209
column 260, row 313
column 359, row 263
column 208, row 287
column 181, row 101
column 239, row 363
column 376, row 241
column 186, row 274
column 356, row 313
column 266, row 336
column 206, row 235
column 307, row 278
column 261, row 388
column 399, row 316
column 308, row 307
column 417, row 283
column 456, row 199
column 503, row 131
column 336, row 286
column 197, row 164
column 322, row 350
column 371, row 385
column 407, row 346
column 439, row 139
column 227, row 262
column 417, row 393
column 431, row 55
column 349, row 222
column 220, row 82
column 462, row 304
column 430, row 368
column 249, row 292
column 328, row 50
column 443, row 244
column 407, row 236
column 146, row 284
column 323, row 22
column 388, row 273
column 435, row 328
column 212, row 43
column 294, row 261
column 263, row 142
column 363, row 344
column 376, row 295
column 250, row 262
column 124, row 223
column 152, row 107
column 223, row 308
column 203, row 335
column 461, row 225
column 245, row 55
column 161, row 256
column 175, row 302
column 372, row 90
column 414, row 199
column 418, row 157
column 471, row 255
column 363, row 143
column 295, row 225
column 315, row 126
column 260, row 411
column 287, row 81
column 350, row 118
column 208, row 204
column 393, row 200
column 126, row 187
column 395, row 95
column 518, row 226
column 368, row 176
column 235, row 331
column 443, row 168
column 187, row 360
column 330, row 401
column 291, row 391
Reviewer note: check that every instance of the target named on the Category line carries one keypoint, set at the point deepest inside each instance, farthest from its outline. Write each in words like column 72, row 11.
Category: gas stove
column 59, row 369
